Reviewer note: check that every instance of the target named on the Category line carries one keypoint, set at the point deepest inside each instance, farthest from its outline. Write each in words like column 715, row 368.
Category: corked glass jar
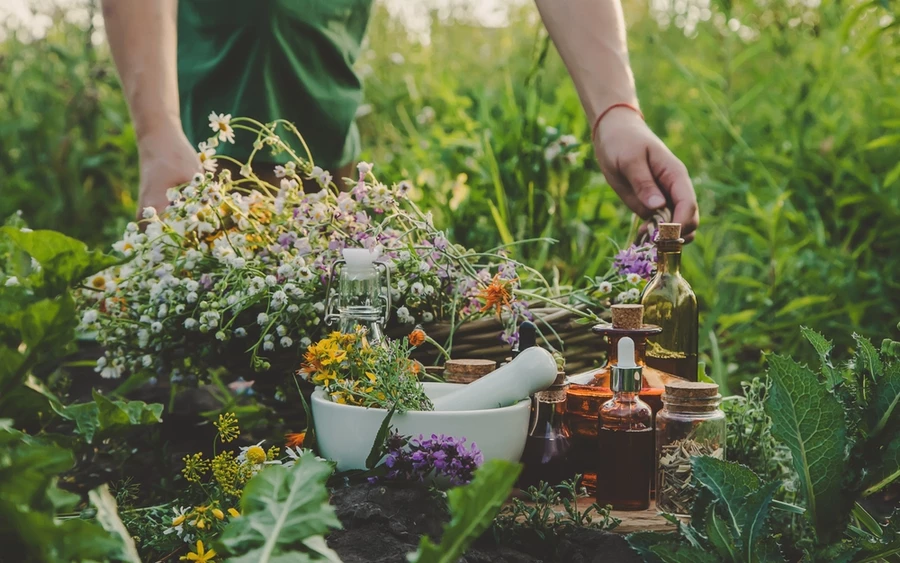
column 689, row 424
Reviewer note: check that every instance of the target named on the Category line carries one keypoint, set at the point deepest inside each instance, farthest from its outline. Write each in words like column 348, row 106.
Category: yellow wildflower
column 233, row 513
column 201, row 555
column 218, row 513
column 256, row 455
column 179, row 520
column 228, row 427
column 195, row 467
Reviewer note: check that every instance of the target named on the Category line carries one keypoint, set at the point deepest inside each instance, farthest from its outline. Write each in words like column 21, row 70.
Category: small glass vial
column 625, row 438
column 689, row 424
column 546, row 456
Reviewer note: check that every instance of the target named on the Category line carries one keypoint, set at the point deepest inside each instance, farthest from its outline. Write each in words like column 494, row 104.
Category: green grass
column 789, row 125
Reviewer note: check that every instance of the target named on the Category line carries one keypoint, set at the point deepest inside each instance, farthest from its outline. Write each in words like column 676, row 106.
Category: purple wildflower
column 415, row 459
column 636, row 260
column 206, row 281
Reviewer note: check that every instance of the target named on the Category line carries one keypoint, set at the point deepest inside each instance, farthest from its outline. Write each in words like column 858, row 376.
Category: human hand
column 643, row 171
column 167, row 160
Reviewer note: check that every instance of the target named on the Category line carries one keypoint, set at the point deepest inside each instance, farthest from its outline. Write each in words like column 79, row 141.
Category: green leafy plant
column 472, row 509
column 537, row 526
column 37, row 327
column 285, row 515
column 840, row 426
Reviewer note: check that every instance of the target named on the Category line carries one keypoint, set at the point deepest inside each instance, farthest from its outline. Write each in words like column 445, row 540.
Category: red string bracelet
column 609, row 109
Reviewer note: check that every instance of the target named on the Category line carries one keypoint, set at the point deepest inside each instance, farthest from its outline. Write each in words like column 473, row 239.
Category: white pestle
column 533, row 370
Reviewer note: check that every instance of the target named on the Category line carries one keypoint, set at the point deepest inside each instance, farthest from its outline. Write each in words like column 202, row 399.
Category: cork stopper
column 628, row 316
column 467, row 371
column 669, row 231
column 691, row 390
column 691, row 396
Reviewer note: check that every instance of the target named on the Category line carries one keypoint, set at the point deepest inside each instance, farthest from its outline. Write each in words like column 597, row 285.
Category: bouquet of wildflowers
column 353, row 372
column 235, row 269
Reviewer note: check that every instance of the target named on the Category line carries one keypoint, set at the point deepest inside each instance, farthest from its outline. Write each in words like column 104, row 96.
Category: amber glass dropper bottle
column 625, row 438
column 670, row 303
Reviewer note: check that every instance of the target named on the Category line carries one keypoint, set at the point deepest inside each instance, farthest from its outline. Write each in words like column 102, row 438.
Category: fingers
column 637, row 173
column 672, row 176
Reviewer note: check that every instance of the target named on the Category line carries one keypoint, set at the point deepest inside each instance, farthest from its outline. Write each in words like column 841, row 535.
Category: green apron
column 271, row 59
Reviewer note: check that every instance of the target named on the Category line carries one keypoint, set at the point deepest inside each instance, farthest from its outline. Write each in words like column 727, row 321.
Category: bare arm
column 143, row 38
column 590, row 37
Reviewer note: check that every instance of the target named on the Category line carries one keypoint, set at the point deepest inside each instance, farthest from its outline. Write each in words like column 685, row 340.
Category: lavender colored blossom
column 206, row 281
column 415, row 459
column 636, row 260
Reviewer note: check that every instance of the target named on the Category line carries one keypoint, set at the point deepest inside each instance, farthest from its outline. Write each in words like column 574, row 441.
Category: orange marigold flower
column 294, row 439
column 417, row 337
column 497, row 294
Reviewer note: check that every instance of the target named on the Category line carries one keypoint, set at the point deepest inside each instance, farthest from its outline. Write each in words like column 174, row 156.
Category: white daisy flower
column 633, row 279
column 221, row 126
column 89, row 317
column 604, row 287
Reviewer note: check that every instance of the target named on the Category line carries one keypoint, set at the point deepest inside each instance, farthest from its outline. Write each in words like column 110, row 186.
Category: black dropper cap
column 527, row 337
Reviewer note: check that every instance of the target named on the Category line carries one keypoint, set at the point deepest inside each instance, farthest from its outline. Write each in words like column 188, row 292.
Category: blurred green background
column 786, row 112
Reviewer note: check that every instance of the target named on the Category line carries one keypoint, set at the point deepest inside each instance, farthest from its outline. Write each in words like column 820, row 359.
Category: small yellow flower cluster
column 230, row 474
column 195, row 467
column 228, row 427
column 207, row 520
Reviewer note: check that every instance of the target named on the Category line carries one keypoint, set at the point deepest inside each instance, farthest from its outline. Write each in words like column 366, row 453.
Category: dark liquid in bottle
column 546, row 459
column 625, row 469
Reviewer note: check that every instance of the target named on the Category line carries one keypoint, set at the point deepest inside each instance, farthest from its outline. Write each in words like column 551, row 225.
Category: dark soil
column 383, row 523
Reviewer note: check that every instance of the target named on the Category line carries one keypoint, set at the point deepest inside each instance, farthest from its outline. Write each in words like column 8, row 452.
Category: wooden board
column 632, row 520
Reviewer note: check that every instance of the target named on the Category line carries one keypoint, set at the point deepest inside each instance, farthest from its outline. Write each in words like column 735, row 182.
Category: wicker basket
column 481, row 339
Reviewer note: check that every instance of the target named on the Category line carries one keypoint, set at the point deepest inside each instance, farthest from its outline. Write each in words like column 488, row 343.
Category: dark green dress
column 270, row 59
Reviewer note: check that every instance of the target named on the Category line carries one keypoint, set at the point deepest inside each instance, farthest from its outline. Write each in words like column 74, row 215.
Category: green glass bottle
column 670, row 303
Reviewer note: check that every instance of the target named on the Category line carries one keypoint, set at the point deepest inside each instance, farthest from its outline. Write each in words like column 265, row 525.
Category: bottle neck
column 625, row 396
column 668, row 259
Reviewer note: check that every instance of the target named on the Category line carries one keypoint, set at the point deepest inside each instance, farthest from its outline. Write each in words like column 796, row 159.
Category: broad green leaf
column 108, row 518
column 721, row 537
column 472, row 509
column 105, row 415
column 887, row 394
column 823, row 348
column 755, row 511
column 283, row 509
column 809, row 420
column 64, row 261
column 730, row 483
column 680, row 553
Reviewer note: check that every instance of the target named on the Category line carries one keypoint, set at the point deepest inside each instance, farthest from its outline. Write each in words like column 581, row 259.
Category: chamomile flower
column 604, row 287
column 633, row 278
column 221, row 126
column 206, row 154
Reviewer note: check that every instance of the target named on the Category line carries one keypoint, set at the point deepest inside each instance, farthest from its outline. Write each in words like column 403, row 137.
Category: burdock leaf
column 680, row 553
column 809, row 420
column 730, row 483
